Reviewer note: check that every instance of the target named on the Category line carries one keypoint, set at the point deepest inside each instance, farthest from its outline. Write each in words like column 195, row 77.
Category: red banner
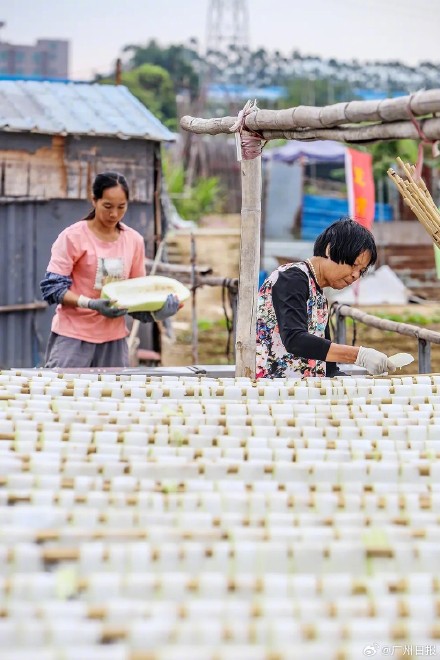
column 360, row 186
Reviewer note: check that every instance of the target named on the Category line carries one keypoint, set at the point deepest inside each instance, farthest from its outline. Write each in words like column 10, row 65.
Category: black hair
column 102, row 182
column 346, row 240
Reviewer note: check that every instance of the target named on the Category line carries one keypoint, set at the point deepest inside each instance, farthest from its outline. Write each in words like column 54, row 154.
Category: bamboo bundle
column 417, row 196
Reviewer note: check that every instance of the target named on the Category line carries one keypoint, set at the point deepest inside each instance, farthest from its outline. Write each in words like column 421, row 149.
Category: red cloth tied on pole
column 360, row 186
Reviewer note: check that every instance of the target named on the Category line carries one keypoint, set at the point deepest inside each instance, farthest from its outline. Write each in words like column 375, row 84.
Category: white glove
column 373, row 361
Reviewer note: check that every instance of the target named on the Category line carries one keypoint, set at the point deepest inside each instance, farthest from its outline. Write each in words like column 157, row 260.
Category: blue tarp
column 319, row 212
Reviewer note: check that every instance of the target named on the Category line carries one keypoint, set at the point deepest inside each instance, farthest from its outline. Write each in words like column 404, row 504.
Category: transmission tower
column 227, row 50
column 227, row 42
column 227, row 25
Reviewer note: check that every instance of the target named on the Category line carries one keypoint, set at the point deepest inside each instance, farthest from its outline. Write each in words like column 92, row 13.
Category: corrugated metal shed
column 56, row 108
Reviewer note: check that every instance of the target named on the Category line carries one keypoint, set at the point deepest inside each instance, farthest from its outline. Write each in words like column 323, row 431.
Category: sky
column 405, row 30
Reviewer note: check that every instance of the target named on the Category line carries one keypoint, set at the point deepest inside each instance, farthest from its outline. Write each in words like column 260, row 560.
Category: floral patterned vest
column 273, row 360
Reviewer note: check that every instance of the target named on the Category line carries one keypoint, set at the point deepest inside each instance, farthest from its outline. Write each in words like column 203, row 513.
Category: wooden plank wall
column 64, row 167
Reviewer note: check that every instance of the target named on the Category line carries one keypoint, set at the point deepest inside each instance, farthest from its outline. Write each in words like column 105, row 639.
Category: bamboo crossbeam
column 416, row 195
column 345, row 133
column 353, row 112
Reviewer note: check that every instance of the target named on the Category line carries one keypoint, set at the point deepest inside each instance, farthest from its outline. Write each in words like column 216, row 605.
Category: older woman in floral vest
column 293, row 338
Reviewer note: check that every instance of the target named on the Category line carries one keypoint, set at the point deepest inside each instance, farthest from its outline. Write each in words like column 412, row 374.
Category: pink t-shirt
column 79, row 254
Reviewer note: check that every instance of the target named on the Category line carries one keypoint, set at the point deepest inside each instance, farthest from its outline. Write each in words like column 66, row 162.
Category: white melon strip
column 144, row 294
column 401, row 359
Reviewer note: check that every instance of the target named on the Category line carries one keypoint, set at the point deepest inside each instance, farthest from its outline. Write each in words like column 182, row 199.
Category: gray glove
column 169, row 309
column 373, row 361
column 104, row 307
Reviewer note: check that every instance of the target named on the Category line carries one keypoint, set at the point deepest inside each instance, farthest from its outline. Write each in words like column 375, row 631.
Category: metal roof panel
column 77, row 109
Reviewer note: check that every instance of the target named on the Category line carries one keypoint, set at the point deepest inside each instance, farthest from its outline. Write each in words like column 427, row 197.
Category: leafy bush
column 205, row 196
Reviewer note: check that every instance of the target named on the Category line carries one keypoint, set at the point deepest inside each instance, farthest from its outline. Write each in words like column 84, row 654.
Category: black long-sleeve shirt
column 289, row 296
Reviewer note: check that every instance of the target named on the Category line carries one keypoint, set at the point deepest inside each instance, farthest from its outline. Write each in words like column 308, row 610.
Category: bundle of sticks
column 417, row 196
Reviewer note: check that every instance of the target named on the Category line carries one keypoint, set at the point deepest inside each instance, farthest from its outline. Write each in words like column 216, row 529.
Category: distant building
column 48, row 59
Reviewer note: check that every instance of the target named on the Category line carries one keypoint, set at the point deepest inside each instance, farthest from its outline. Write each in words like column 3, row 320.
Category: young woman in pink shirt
column 87, row 331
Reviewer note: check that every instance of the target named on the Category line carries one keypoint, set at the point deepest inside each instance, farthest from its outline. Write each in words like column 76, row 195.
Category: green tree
column 385, row 153
column 182, row 63
column 153, row 86
column 315, row 91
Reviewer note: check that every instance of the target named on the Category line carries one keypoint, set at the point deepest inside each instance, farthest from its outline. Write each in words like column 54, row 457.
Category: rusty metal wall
column 57, row 167
column 17, row 284
column 27, row 231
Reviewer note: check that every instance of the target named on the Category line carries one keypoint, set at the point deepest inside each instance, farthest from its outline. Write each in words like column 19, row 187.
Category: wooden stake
column 194, row 327
column 245, row 346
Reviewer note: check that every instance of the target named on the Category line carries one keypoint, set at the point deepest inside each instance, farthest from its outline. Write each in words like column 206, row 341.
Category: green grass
column 205, row 324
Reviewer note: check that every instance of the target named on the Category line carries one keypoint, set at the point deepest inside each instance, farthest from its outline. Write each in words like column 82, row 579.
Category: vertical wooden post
column 341, row 329
column 118, row 72
column 424, row 356
column 245, row 345
column 195, row 330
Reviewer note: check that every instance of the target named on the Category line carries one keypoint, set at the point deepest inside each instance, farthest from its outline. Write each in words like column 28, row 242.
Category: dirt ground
column 218, row 244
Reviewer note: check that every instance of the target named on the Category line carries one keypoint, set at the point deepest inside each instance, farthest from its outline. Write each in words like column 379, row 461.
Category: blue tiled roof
column 68, row 108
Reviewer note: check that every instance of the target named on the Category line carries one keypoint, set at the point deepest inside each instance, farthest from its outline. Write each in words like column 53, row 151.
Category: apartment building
column 48, row 58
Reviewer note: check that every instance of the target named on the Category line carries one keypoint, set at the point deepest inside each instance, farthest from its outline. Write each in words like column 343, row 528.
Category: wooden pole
column 245, row 346
column 195, row 330
column 385, row 324
column 355, row 133
column 383, row 111
column 118, row 72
